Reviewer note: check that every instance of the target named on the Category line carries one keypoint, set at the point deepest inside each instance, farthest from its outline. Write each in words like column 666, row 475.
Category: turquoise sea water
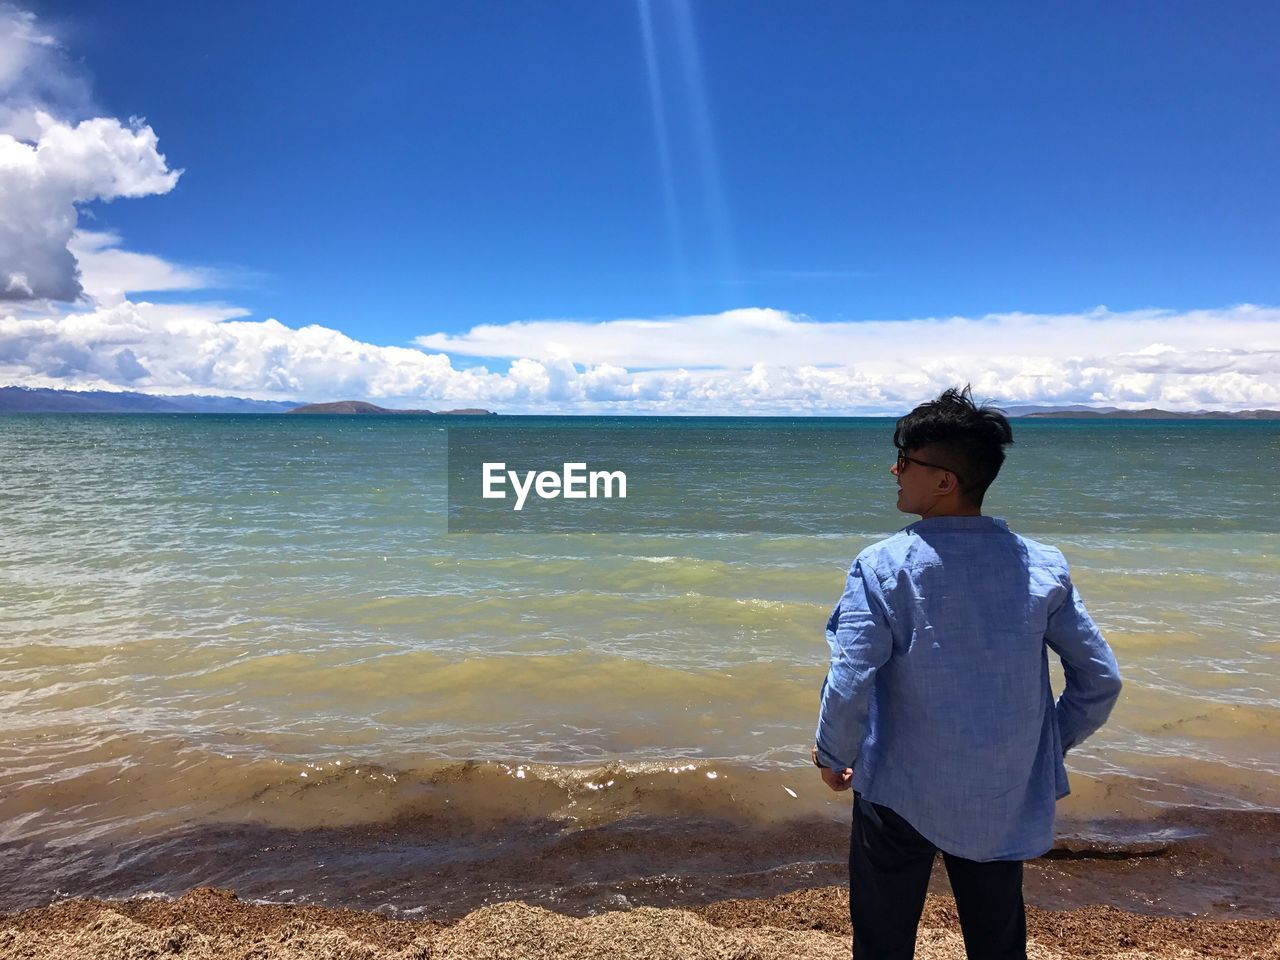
column 263, row 619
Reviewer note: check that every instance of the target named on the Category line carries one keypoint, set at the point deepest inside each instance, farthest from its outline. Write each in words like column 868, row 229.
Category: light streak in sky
column 689, row 94
column 658, row 107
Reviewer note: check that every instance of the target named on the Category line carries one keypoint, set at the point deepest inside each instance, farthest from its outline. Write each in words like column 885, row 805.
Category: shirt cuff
column 830, row 762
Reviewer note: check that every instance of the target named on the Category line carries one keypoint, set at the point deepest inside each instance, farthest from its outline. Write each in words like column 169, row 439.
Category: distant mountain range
column 1151, row 413
column 39, row 400
column 1026, row 411
column 1080, row 412
column 42, row 400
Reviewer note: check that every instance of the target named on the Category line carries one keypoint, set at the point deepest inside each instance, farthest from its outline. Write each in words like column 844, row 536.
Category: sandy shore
column 211, row 923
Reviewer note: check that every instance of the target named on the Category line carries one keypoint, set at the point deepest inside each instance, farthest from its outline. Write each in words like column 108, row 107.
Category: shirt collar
column 958, row 523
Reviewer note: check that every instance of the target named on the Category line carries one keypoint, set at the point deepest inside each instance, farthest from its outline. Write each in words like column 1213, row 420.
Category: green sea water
column 199, row 609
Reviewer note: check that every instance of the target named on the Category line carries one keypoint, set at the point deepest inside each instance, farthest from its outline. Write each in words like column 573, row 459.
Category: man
column 937, row 707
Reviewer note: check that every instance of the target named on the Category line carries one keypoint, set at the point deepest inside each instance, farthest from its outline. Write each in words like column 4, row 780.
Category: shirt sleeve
column 1092, row 675
column 861, row 641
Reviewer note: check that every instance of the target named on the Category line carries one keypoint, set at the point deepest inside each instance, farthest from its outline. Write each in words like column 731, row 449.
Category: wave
column 126, row 814
column 68, row 783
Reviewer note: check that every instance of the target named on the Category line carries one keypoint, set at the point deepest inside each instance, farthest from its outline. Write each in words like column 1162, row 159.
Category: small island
column 361, row 407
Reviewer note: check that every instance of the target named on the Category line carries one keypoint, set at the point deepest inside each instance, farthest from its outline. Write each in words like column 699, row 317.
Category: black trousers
column 889, row 867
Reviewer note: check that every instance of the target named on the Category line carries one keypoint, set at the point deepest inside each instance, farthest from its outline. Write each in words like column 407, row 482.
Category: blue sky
column 404, row 170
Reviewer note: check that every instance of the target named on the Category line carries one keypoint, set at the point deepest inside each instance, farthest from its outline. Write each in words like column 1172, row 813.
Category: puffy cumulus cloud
column 741, row 338
column 176, row 348
column 54, row 157
column 771, row 361
column 1176, row 361
column 41, row 184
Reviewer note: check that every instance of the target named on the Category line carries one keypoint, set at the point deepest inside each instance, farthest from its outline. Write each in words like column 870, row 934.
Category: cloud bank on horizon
column 55, row 157
column 684, row 365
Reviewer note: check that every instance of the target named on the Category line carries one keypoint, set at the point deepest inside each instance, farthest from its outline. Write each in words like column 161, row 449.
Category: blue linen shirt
column 938, row 693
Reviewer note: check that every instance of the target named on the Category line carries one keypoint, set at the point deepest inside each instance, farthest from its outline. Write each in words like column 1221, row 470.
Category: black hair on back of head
column 971, row 437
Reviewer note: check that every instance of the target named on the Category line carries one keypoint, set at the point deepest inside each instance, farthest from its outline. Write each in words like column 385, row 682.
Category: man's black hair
column 972, row 438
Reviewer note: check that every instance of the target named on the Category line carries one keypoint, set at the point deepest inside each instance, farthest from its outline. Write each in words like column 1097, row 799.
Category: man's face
column 919, row 486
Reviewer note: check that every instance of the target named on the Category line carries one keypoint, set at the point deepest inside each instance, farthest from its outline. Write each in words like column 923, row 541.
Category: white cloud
column 741, row 338
column 52, row 160
column 108, row 273
column 174, row 348
column 36, row 76
column 773, row 361
column 41, row 184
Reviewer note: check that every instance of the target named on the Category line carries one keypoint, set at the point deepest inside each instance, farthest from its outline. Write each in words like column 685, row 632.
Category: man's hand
column 837, row 781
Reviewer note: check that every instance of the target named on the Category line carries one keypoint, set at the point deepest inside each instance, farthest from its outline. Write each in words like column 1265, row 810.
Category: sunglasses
column 903, row 460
